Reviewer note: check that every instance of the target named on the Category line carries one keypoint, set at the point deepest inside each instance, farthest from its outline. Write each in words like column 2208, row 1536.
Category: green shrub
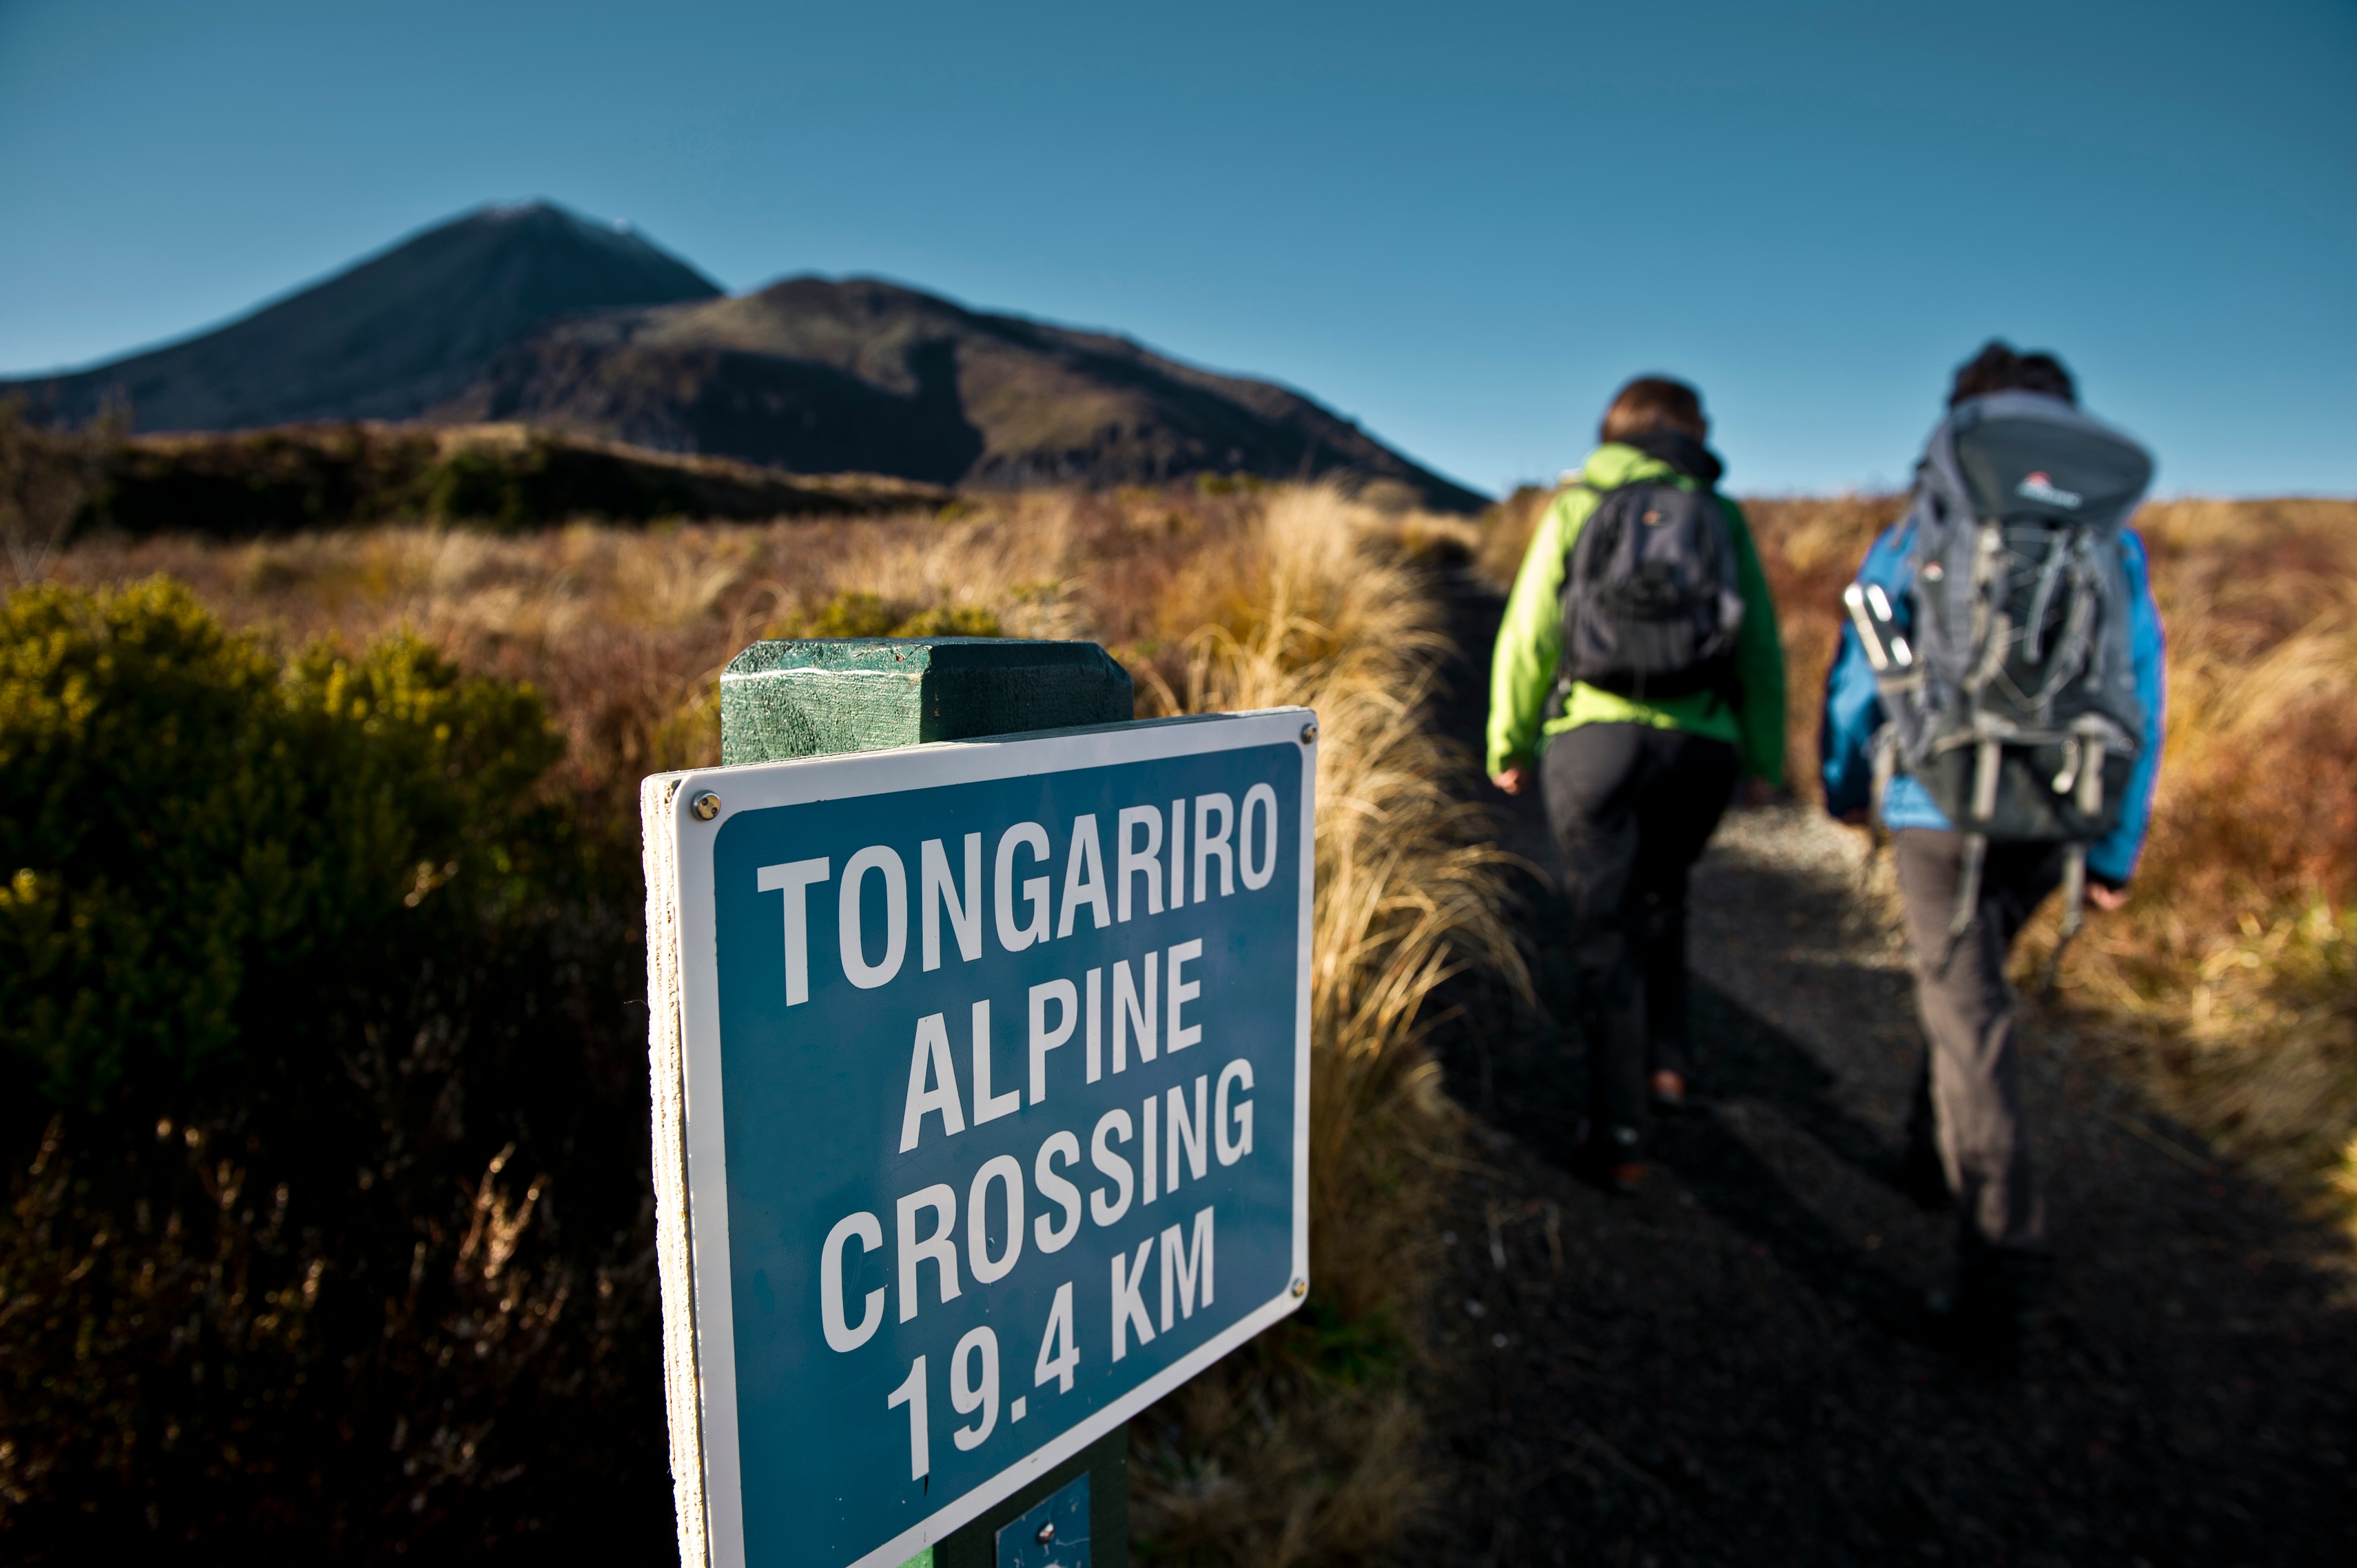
column 951, row 620
column 180, row 818
column 1232, row 484
column 474, row 487
column 846, row 614
column 324, row 1102
column 857, row 614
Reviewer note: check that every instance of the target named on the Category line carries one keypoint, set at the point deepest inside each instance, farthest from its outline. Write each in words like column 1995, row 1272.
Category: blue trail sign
column 981, row 1077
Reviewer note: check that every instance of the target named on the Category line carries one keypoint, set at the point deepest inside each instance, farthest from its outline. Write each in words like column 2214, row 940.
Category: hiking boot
column 1922, row 1179
column 1997, row 1302
column 1974, row 1329
column 1612, row 1162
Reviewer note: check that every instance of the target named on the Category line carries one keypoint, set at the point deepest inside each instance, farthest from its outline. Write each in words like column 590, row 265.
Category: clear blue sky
column 1461, row 224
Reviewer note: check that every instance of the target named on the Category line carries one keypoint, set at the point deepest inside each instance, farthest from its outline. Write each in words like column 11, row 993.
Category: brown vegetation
column 1506, row 531
column 1304, row 1448
column 2231, row 980
column 506, row 477
column 625, row 631
column 306, row 1249
column 48, row 478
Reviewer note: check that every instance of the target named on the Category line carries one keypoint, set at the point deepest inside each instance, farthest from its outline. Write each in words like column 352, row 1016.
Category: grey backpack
column 1650, row 603
column 2016, row 706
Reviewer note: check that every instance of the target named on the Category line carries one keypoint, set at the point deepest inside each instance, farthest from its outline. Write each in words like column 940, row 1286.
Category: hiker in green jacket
column 1638, row 677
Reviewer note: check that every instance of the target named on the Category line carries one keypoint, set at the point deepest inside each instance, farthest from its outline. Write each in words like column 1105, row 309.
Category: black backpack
column 1650, row 604
column 2017, row 706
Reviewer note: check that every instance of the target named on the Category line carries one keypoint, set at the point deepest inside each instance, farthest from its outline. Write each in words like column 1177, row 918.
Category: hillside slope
column 388, row 337
column 819, row 376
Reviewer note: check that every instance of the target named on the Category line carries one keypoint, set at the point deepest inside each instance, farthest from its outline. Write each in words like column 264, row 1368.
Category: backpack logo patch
column 2039, row 487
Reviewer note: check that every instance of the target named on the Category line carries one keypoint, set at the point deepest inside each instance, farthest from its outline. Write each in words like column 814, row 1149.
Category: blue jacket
column 1854, row 711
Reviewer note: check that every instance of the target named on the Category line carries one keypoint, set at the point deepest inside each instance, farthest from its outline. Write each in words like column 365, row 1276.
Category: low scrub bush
column 856, row 613
column 324, row 1113
column 292, row 478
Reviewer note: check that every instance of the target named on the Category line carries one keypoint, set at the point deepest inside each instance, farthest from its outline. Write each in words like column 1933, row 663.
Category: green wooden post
column 818, row 698
column 821, row 697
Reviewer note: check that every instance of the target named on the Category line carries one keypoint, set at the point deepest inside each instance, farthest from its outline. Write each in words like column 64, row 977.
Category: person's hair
column 1997, row 368
column 1653, row 403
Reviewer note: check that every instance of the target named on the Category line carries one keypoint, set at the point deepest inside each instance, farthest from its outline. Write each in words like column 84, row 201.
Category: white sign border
column 805, row 780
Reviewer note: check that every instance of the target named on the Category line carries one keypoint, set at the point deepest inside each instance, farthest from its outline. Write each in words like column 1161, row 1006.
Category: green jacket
column 1530, row 643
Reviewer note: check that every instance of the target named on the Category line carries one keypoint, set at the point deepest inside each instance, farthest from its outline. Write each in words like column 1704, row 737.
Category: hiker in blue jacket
column 1966, row 1142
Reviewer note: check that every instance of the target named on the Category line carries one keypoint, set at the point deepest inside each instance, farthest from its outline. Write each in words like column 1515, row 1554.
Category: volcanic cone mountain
column 534, row 315
column 390, row 337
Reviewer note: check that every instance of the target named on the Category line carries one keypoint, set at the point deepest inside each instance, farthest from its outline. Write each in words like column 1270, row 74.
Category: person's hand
column 2107, row 898
column 1759, row 792
column 1511, row 779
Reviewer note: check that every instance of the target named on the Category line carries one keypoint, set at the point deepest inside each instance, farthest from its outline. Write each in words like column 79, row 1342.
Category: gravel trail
column 1731, row 1367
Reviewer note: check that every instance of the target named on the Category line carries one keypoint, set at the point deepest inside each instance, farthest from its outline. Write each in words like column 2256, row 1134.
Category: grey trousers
column 1968, row 1018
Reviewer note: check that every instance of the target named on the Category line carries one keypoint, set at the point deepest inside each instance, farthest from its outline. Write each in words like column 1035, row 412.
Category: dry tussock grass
column 626, row 629
column 2232, row 977
column 1506, row 531
column 1305, row 1448
column 1294, row 1453
column 1810, row 550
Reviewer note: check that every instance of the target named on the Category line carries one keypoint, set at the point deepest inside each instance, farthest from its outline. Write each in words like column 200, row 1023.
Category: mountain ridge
column 531, row 314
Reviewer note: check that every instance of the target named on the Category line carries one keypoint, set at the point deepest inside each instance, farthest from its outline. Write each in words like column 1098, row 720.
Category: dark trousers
column 1968, row 1014
column 1632, row 807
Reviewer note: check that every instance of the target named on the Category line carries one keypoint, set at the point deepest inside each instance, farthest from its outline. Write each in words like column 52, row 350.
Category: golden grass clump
column 1810, row 550
column 1298, row 1453
column 2232, row 979
column 1506, row 530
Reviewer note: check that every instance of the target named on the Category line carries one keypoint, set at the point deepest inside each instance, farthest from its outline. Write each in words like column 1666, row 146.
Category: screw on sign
column 1053, row 1534
column 981, row 1075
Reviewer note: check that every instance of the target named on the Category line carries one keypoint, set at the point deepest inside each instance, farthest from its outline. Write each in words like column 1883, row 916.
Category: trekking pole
column 2074, row 898
column 1986, row 760
column 2088, row 796
column 1867, row 605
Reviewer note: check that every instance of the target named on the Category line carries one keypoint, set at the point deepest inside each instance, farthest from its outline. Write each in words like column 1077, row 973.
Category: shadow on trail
column 1532, row 1086
column 1755, row 1064
column 1732, row 1368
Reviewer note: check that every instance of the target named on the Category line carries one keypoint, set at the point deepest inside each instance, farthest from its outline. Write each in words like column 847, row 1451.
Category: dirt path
column 1730, row 1367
